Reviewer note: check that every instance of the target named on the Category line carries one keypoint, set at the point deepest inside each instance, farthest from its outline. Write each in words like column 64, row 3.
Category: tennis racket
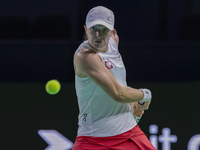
column 137, row 119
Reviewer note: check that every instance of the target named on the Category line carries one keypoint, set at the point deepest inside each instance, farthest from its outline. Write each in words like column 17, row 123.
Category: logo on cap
column 108, row 65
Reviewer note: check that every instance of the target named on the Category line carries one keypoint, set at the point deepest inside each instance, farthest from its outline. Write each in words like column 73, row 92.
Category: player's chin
column 98, row 45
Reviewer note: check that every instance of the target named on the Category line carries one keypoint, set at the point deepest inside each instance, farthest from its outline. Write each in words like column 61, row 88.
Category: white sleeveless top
column 99, row 114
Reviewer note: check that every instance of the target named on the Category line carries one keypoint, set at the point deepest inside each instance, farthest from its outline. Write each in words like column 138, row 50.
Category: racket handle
column 137, row 119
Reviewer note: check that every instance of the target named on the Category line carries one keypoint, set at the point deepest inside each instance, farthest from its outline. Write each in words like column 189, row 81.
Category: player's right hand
column 145, row 106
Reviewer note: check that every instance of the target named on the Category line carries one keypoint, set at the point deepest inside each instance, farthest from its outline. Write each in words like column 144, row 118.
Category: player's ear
column 114, row 31
column 85, row 28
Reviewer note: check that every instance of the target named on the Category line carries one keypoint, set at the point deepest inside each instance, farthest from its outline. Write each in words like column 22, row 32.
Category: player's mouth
column 98, row 41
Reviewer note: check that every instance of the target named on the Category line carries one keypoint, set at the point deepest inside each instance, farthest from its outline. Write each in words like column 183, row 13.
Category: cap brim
column 89, row 25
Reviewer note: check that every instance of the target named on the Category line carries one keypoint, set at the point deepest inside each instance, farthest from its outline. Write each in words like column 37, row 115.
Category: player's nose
column 97, row 34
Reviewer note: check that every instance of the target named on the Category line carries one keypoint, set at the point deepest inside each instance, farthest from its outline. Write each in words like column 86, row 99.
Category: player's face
column 98, row 37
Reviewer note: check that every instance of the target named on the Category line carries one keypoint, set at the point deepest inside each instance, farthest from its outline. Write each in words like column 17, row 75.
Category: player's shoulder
column 86, row 55
column 87, row 51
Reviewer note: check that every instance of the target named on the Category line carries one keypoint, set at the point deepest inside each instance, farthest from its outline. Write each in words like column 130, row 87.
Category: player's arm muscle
column 91, row 65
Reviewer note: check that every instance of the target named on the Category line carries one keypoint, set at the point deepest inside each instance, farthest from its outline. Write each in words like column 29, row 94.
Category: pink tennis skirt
column 133, row 139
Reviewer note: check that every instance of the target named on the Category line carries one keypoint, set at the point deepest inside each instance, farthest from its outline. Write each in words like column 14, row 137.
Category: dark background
column 159, row 43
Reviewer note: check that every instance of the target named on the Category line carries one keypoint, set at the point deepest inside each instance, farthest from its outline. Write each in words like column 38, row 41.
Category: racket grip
column 137, row 119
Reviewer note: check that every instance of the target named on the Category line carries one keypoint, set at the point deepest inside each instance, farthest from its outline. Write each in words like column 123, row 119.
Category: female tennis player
column 107, row 105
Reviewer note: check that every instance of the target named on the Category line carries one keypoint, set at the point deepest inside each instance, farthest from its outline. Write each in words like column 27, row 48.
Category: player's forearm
column 129, row 95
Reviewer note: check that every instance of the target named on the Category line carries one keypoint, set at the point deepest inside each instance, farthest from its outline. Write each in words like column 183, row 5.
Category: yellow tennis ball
column 53, row 87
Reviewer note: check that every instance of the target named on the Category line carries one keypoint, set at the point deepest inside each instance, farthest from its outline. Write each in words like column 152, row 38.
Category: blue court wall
column 168, row 66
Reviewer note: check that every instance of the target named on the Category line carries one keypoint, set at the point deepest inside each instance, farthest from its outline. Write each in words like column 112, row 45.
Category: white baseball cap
column 100, row 16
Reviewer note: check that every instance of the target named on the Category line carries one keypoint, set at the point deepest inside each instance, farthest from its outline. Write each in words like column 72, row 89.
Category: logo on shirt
column 108, row 65
column 84, row 118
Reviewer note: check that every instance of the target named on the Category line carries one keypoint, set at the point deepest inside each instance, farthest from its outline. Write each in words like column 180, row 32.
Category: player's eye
column 94, row 29
column 105, row 29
